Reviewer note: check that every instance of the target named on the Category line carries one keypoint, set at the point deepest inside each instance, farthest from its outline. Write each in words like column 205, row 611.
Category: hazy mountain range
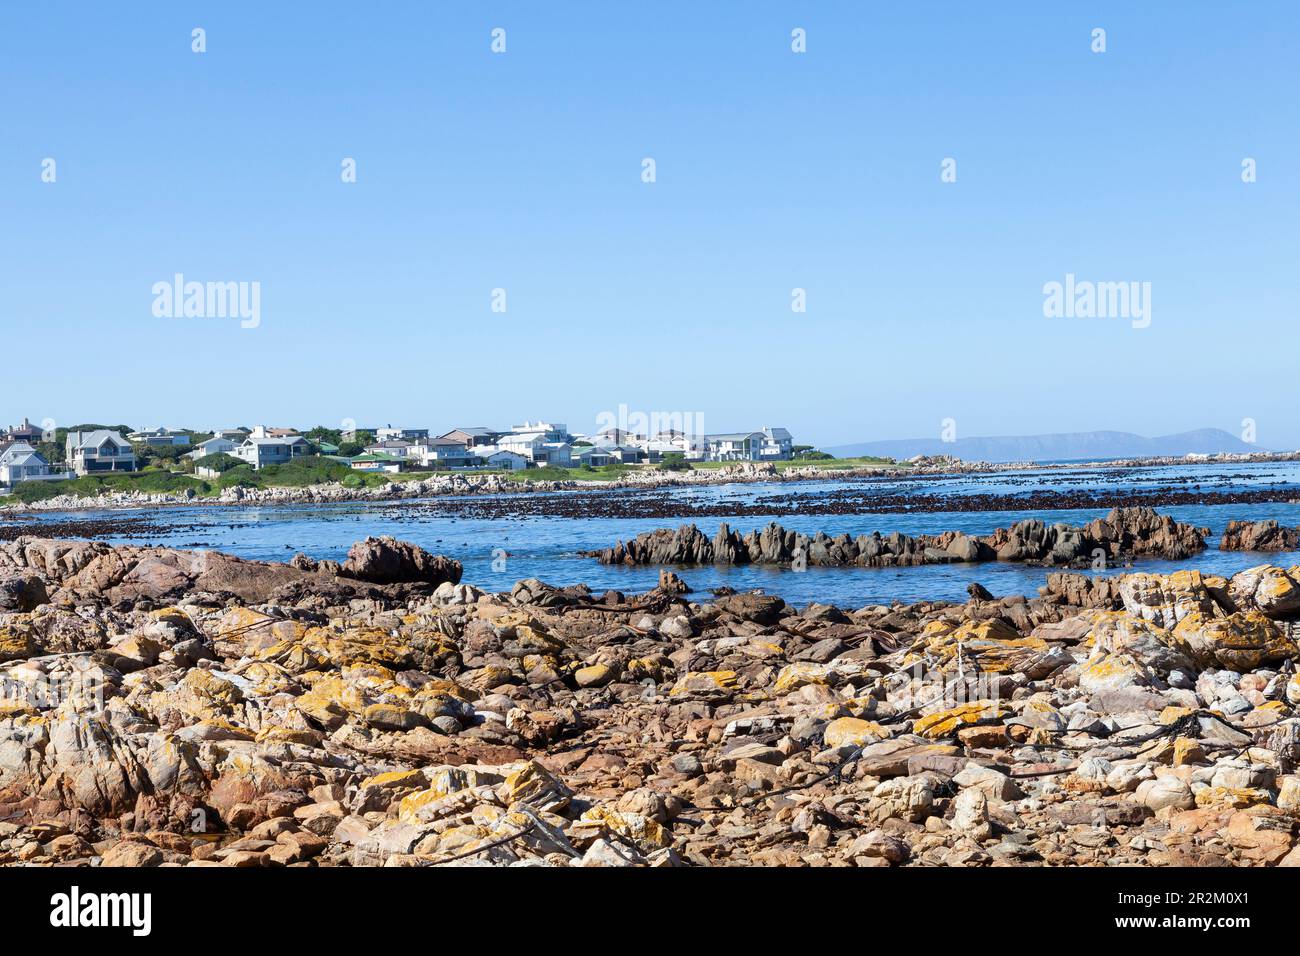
column 1065, row 446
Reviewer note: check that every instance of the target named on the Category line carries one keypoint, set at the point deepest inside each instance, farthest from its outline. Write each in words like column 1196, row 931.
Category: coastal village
column 30, row 453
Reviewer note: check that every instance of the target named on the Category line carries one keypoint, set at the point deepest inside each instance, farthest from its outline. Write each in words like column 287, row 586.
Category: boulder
column 385, row 560
column 1259, row 536
column 21, row 591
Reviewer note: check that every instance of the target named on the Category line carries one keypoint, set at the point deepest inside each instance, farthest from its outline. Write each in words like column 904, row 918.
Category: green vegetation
column 234, row 472
column 809, row 453
column 576, row 473
column 149, row 454
column 839, row 464
column 150, row 482
column 314, row 470
column 219, row 462
column 550, row 473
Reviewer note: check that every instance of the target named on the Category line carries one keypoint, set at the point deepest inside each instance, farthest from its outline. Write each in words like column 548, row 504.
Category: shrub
column 219, row 462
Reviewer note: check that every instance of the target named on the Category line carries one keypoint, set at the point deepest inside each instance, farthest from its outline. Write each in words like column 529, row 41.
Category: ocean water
column 500, row 551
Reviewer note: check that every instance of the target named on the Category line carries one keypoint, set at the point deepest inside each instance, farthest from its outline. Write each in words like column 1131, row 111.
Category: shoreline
column 457, row 484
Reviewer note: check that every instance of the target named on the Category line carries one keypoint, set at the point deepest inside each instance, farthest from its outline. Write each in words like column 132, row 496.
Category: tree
column 220, row 462
column 809, row 453
column 320, row 434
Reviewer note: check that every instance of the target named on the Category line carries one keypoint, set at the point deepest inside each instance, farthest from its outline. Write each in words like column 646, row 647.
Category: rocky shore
column 453, row 484
column 1123, row 534
column 165, row 708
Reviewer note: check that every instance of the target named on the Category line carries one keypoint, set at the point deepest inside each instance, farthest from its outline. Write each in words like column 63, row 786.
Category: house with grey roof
column 474, row 436
column 770, row 444
column 260, row 452
column 216, row 445
column 98, row 452
column 19, row 461
column 778, row 444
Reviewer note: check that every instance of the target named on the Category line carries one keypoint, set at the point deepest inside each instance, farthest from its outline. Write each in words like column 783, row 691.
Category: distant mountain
column 1067, row 446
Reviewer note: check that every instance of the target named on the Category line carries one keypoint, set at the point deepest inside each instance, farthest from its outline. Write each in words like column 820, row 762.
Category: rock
column 385, row 560
column 670, row 583
column 853, row 732
column 907, row 798
column 21, row 592
column 687, row 764
column 1166, row 792
column 1270, row 590
column 945, row 723
column 1259, row 536
column 677, row 627
column 994, row 784
column 1242, row 641
column 1288, row 793
column 970, row 814
column 604, row 853
column 130, row 853
column 759, row 608
column 293, row 717
column 879, row 845
column 1124, row 532
column 597, row 675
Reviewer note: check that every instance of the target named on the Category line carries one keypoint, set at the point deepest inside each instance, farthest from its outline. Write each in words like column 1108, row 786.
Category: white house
column 734, row 446
column 528, row 444
column 441, row 453
column 396, row 447
column 552, row 431
column 260, row 452
column 159, row 436
column 98, row 451
column 770, row 444
column 778, row 444
column 216, row 445
column 377, row 462
column 19, row 461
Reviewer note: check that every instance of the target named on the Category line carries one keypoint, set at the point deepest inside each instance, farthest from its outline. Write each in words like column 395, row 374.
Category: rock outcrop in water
column 385, row 560
column 1124, row 533
column 1259, row 536
column 277, row 716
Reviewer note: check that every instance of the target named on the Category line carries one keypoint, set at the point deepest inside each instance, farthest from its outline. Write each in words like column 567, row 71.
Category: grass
column 841, row 464
column 553, row 473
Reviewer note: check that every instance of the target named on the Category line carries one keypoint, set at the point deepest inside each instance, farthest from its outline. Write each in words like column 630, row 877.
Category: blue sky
column 775, row 170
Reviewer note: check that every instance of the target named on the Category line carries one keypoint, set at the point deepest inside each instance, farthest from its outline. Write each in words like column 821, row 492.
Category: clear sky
column 774, row 171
